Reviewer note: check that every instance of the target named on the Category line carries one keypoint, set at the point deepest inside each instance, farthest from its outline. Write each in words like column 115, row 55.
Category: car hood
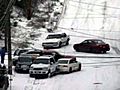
column 51, row 40
column 39, row 65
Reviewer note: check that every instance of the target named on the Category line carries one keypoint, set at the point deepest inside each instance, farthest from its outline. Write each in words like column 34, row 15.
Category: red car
column 92, row 45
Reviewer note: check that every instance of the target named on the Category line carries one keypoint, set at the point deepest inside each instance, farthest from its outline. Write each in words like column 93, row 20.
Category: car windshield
column 53, row 36
column 99, row 42
column 25, row 59
column 19, row 52
column 43, row 61
column 63, row 61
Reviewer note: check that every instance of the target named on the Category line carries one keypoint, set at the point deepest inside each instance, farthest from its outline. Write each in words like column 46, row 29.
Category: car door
column 75, row 65
column 84, row 46
column 53, row 65
column 72, row 64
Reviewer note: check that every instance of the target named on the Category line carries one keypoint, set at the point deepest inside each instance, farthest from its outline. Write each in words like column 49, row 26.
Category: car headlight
column 45, row 68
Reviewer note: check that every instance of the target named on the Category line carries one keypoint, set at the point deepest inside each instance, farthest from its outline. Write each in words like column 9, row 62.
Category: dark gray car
column 24, row 63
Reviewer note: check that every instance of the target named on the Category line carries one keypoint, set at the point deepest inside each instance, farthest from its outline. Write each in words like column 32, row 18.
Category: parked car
column 56, row 40
column 23, row 63
column 43, row 65
column 17, row 53
column 68, row 65
column 92, row 45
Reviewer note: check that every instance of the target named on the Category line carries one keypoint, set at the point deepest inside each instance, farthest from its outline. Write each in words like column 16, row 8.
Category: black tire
column 60, row 45
column 67, row 42
column 14, row 63
column 79, row 68
column 31, row 75
column 77, row 50
column 70, row 70
column 103, row 52
column 49, row 75
column 16, row 70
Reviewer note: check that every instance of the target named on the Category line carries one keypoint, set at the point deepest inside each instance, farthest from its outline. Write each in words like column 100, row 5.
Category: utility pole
column 7, row 29
column 104, row 13
column 9, row 45
column 29, row 9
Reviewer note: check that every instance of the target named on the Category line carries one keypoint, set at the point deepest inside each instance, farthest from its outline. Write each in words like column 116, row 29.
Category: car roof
column 64, row 59
column 94, row 39
column 57, row 33
column 45, row 56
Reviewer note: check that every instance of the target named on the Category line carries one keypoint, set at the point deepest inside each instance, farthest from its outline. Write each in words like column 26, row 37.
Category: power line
column 95, row 4
column 7, row 9
column 108, row 15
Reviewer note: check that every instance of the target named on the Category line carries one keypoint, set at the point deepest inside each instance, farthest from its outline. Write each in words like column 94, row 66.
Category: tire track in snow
column 116, row 50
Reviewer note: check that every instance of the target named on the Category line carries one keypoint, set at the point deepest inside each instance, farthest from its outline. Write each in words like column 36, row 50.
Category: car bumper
column 50, row 45
column 22, row 68
column 34, row 72
column 63, row 69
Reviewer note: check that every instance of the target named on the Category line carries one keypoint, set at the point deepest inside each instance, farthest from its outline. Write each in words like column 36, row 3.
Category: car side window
column 84, row 42
column 90, row 42
column 52, row 60
column 74, row 61
column 71, row 61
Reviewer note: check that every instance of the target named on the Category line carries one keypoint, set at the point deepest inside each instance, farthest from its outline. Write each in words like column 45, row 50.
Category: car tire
column 79, row 68
column 77, row 50
column 60, row 45
column 31, row 75
column 70, row 70
column 49, row 75
column 103, row 52
column 67, row 42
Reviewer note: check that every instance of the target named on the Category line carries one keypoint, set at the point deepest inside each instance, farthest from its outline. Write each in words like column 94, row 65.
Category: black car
column 17, row 53
column 23, row 63
column 92, row 45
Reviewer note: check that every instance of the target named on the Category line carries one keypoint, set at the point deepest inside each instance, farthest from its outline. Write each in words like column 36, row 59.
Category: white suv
column 56, row 40
column 68, row 65
column 43, row 65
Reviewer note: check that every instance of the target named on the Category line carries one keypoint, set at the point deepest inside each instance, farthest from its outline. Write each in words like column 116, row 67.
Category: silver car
column 56, row 40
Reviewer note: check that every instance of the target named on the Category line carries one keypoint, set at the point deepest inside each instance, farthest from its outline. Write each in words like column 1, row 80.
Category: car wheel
column 67, row 42
column 103, row 52
column 31, row 75
column 49, row 74
column 79, row 68
column 60, row 44
column 16, row 70
column 70, row 70
column 15, row 62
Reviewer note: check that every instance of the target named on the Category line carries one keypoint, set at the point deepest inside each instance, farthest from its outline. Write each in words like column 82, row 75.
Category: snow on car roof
column 45, row 56
column 56, row 33
column 65, row 58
